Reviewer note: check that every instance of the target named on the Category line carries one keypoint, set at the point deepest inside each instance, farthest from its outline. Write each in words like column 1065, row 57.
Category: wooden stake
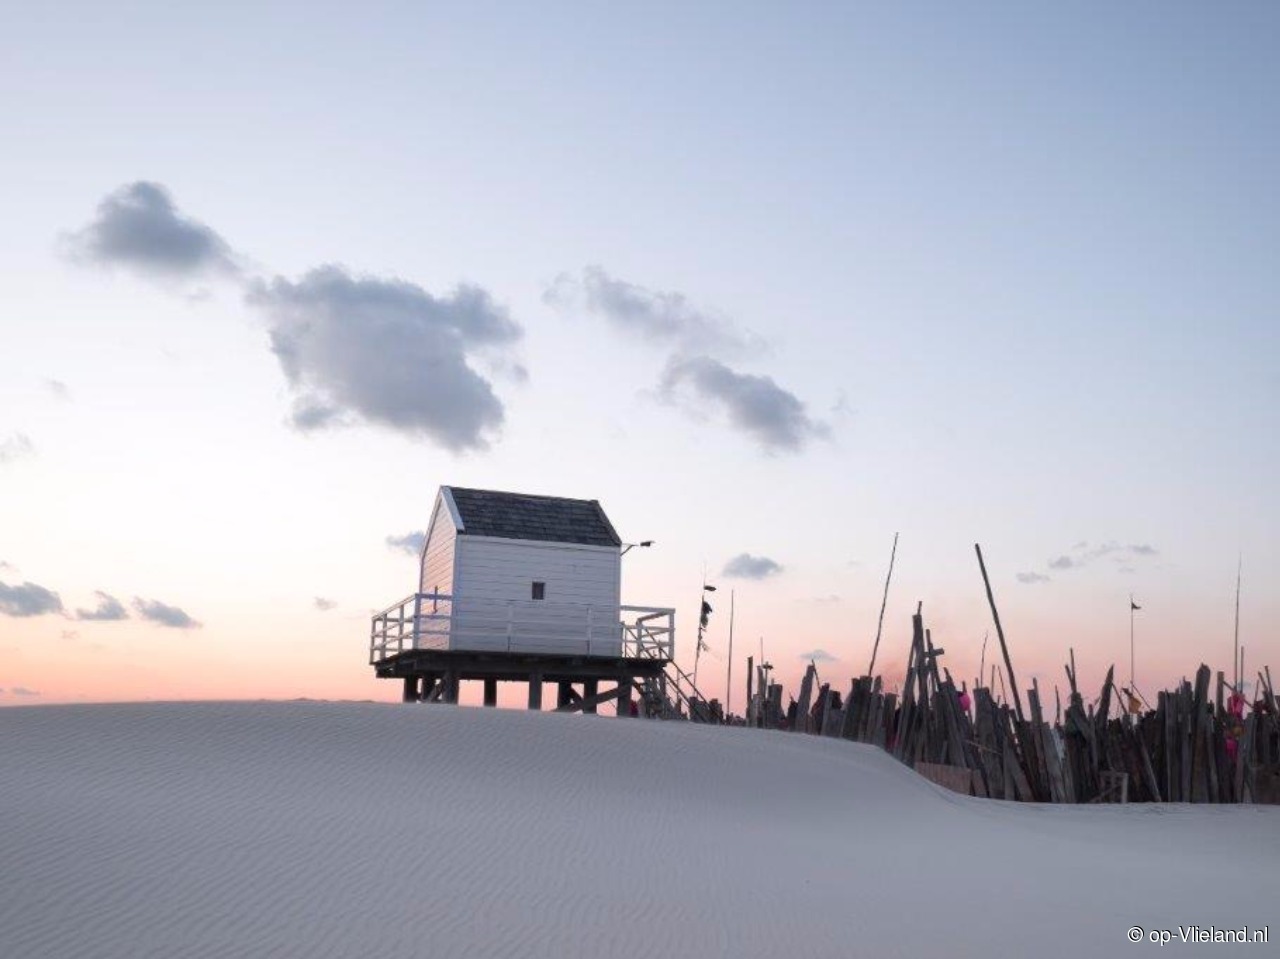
column 1004, row 648
column 871, row 670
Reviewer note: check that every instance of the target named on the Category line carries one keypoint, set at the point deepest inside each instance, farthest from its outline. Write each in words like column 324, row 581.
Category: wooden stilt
column 624, row 697
column 535, row 691
column 564, row 694
column 411, row 684
column 491, row 692
column 590, row 688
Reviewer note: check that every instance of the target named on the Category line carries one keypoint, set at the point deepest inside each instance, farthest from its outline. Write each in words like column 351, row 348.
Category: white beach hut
column 521, row 573
column 524, row 588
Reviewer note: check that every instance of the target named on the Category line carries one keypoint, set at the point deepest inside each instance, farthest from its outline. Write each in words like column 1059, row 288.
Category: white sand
column 349, row 830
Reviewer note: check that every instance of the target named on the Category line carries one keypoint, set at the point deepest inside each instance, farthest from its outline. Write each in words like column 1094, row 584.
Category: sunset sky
column 768, row 279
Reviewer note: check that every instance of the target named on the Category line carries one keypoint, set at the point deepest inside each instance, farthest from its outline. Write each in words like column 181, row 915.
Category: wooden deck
column 431, row 675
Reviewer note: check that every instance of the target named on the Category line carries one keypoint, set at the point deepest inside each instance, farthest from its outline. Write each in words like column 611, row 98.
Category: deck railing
column 439, row 621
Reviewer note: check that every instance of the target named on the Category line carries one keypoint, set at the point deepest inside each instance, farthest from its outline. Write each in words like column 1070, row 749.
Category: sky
column 773, row 282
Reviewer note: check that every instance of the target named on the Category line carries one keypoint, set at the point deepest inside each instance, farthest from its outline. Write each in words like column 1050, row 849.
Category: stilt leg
column 410, row 694
column 535, row 691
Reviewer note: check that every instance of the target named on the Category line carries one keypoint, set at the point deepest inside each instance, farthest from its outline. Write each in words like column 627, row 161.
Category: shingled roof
column 551, row 519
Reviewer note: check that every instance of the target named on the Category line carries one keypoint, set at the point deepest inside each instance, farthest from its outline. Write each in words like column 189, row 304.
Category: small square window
column 539, row 590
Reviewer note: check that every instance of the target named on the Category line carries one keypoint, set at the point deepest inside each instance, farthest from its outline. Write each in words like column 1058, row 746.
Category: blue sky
column 1012, row 261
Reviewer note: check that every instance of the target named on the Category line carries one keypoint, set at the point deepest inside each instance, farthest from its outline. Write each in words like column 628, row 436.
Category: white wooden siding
column 583, row 592
column 437, row 553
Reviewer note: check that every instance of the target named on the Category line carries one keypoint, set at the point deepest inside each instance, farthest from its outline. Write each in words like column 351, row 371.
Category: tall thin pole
column 697, row 650
column 728, row 682
column 880, row 625
column 1008, row 664
column 1239, row 569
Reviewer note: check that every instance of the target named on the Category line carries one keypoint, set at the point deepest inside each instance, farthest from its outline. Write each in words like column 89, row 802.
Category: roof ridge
column 532, row 516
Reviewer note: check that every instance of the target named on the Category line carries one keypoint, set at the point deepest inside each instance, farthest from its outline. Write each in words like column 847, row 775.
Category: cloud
column 1082, row 554
column 15, row 447
column 746, row 566
column 28, row 599
column 139, row 228
column 655, row 315
column 59, row 389
column 386, row 351
column 23, row 691
column 408, row 543
column 109, row 610
column 819, row 656
column 757, row 405
column 163, row 614
column 324, row 605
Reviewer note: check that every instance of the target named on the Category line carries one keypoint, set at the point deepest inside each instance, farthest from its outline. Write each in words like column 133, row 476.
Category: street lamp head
column 709, row 588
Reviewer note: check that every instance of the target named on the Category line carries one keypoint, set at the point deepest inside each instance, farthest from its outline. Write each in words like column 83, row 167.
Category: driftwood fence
column 1199, row 744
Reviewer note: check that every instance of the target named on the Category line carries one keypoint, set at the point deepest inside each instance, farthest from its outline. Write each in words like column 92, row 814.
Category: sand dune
column 335, row 830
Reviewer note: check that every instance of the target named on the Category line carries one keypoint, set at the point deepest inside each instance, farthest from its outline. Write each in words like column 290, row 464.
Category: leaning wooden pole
column 1004, row 648
column 871, row 670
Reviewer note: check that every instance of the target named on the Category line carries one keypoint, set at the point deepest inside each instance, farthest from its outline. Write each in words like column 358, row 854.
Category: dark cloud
column 387, row 352
column 655, row 315
column 139, row 228
column 16, row 446
column 28, row 599
column 163, row 614
column 109, row 610
column 819, row 656
column 1030, row 577
column 1063, row 562
column 754, row 404
column 408, row 543
column 1143, row 549
column 324, row 605
column 746, row 566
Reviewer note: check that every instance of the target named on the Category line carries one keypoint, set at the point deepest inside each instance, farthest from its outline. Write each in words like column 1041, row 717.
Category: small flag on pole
column 1133, row 605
